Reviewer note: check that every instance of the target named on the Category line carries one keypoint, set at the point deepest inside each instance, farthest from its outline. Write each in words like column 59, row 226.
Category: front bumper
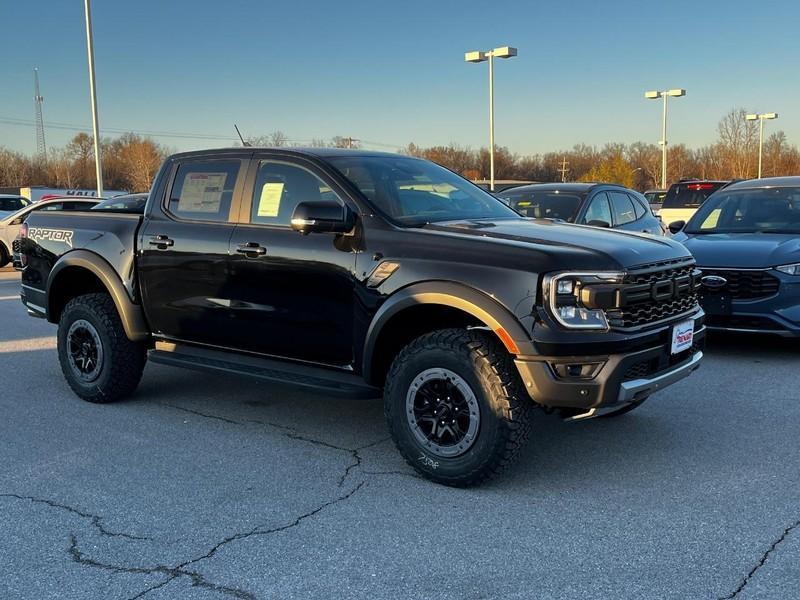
column 621, row 379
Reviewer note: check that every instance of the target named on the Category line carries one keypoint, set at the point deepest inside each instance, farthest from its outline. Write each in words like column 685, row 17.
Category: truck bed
column 51, row 234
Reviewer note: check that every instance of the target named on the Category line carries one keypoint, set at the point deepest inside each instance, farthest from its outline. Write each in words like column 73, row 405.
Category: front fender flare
column 130, row 314
column 456, row 295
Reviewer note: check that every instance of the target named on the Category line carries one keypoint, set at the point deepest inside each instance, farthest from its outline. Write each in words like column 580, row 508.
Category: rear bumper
column 620, row 379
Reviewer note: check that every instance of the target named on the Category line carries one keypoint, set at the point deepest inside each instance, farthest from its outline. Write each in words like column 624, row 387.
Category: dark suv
column 596, row 204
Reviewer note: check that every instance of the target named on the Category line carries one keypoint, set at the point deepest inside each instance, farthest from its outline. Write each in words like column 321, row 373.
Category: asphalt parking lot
column 204, row 487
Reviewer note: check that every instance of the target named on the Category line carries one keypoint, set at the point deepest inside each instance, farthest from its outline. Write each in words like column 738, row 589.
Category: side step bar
column 306, row 376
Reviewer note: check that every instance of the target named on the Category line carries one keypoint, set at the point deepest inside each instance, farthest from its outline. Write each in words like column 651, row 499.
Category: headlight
column 562, row 293
column 793, row 269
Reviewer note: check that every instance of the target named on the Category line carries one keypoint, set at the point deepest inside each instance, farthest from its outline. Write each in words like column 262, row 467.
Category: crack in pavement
column 292, row 434
column 96, row 520
column 761, row 561
column 197, row 579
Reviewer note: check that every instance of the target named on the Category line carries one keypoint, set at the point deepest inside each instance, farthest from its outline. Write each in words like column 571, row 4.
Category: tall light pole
column 761, row 118
column 653, row 95
column 98, row 167
column 478, row 56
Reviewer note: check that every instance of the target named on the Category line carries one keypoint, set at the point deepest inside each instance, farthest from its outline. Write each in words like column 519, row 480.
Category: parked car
column 685, row 197
column 10, row 224
column 500, row 184
column 128, row 203
column 746, row 239
column 10, row 203
column 656, row 199
column 366, row 273
column 596, row 204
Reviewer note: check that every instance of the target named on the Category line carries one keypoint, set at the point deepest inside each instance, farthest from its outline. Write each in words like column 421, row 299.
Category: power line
column 164, row 134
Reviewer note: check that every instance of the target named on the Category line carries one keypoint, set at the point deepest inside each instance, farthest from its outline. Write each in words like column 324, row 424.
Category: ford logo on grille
column 713, row 282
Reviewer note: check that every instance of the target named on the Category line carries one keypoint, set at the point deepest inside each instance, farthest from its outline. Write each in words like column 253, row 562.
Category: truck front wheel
column 455, row 406
column 98, row 360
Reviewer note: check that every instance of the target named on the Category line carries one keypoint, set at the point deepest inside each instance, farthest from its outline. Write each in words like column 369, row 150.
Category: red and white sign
column 682, row 336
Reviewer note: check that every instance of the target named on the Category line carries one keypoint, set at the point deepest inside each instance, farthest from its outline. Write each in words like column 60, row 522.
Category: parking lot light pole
column 478, row 56
column 761, row 118
column 653, row 95
column 98, row 167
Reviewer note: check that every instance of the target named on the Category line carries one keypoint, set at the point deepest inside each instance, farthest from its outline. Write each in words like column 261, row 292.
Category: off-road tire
column 624, row 410
column 122, row 361
column 505, row 407
column 5, row 256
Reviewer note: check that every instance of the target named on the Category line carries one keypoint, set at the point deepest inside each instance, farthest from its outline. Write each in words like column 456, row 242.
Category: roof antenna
column 240, row 136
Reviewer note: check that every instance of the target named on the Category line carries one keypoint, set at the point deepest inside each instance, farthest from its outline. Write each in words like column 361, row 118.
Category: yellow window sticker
column 269, row 204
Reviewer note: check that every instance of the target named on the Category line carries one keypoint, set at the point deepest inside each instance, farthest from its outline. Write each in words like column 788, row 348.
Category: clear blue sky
column 393, row 72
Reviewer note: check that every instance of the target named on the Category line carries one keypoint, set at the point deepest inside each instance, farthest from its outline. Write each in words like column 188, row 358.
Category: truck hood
column 745, row 250
column 625, row 249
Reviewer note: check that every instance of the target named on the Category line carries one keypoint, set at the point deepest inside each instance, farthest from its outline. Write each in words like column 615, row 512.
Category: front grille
column 746, row 285
column 642, row 308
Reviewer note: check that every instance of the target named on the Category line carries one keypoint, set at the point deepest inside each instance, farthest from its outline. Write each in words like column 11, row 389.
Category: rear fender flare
column 130, row 314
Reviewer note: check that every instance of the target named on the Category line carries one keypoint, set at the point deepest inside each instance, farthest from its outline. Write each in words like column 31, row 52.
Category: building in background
column 34, row 193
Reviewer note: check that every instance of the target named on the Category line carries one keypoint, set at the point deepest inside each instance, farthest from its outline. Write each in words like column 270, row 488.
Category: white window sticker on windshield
column 269, row 204
column 202, row 192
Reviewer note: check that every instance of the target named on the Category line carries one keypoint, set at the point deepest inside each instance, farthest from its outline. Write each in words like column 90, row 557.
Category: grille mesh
column 746, row 285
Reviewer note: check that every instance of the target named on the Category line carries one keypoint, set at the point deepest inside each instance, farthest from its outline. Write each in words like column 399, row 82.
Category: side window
column 622, row 207
column 53, row 206
column 598, row 209
column 203, row 191
column 280, row 187
column 638, row 206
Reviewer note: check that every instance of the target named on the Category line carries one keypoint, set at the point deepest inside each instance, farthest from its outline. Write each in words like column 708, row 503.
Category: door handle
column 162, row 241
column 251, row 248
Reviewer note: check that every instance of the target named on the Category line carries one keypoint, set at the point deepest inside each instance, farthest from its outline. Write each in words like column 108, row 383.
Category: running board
column 306, row 376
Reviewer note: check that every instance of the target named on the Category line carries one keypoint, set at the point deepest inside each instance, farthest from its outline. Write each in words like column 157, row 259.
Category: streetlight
column 95, row 126
column 478, row 56
column 761, row 118
column 653, row 95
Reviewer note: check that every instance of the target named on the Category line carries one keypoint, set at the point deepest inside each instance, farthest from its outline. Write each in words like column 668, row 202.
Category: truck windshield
column 413, row 192
column 760, row 210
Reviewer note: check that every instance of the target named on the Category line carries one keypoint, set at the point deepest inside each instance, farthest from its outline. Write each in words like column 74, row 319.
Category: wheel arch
column 80, row 272
column 440, row 304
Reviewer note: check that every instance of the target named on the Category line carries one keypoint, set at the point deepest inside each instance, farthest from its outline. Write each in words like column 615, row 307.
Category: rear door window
column 638, row 206
column 203, row 191
column 622, row 207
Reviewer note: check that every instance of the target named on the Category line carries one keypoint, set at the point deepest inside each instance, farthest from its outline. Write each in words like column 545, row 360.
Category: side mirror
column 676, row 226
column 598, row 223
column 322, row 217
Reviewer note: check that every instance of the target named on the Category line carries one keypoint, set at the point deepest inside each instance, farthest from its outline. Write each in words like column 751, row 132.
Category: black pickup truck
column 351, row 272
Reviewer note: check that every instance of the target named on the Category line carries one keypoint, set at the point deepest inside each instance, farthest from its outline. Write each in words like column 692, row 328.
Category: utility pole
column 95, row 126
column 41, row 147
column 563, row 170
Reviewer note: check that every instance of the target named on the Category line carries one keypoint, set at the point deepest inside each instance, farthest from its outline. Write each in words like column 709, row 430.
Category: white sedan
column 10, row 224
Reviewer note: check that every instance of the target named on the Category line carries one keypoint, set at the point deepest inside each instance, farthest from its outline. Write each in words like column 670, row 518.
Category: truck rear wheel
column 455, row 406
column 98, row 360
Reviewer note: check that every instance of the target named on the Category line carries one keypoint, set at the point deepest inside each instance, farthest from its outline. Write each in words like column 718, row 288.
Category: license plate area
column 716, row 304
column 682, row 336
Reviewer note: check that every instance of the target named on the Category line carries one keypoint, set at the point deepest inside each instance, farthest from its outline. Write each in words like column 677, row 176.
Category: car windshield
column 690, row 195
column 544, row 204
column 413, row 192
column 761, row 210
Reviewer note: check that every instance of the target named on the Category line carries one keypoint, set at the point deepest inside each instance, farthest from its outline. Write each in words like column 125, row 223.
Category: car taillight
column 23, row 234
column 700, row 186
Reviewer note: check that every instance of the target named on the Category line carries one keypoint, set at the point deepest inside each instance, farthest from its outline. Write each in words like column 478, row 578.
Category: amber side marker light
column 508, row 342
